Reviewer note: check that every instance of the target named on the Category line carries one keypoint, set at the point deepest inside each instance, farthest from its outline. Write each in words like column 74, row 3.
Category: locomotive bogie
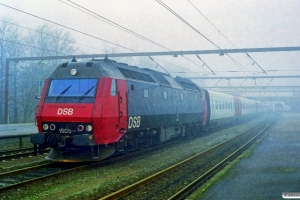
column 81, row 154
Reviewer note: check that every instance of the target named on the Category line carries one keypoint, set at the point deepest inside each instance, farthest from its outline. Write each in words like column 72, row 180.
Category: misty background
column 32, row 28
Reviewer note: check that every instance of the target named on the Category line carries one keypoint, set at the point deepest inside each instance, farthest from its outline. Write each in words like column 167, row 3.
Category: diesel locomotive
column 93, row 109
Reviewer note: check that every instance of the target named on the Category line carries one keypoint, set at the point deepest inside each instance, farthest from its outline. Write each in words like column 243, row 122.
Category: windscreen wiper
column 86, row 93
column 62, row 93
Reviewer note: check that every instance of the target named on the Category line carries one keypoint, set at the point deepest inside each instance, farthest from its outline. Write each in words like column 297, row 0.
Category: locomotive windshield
column 80, row 88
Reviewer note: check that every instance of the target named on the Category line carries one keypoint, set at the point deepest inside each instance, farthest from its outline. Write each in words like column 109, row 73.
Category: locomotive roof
column 109, row 68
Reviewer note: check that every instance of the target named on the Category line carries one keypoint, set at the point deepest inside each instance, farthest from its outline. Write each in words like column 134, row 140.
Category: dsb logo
column 134, row 122
column 65, row 111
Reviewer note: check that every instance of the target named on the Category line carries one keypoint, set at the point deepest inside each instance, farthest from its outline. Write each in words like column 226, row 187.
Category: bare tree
column 9, row 47
column 25, row 78
column 45, row 41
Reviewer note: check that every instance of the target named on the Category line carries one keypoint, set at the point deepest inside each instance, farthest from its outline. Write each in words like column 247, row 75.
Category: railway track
column 178, row 181
column 18, row 178
column 18, row 153
column 30, row 175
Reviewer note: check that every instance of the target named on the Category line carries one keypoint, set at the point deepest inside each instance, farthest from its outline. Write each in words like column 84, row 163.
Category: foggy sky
column 247, row 24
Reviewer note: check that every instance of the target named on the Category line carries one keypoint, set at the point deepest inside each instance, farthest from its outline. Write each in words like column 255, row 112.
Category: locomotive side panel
column 154, row 106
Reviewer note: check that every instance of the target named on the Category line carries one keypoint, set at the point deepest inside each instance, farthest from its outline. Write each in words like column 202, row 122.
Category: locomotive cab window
column 72, row 88
column 113, row 88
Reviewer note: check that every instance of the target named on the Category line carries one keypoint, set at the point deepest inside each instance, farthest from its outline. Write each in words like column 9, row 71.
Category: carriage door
column 122, row 105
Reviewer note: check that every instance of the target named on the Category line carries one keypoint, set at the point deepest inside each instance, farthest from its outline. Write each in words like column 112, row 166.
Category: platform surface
column 17, row 129
column 273, row 168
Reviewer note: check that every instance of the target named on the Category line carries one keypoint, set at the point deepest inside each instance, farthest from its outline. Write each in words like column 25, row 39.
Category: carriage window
column 196, row 97
column 146, row 93
column 165, row 95
column 216, row 102
column 113, row 88
column 181, row 97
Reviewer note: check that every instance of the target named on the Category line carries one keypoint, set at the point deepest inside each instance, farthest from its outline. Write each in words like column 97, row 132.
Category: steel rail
column 41, row 177
column 143, row 182
column 9, row 151
column 17, row 153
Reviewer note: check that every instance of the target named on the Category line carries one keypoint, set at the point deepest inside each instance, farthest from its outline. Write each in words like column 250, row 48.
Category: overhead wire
column 30, row 29
column 95, row 37
column 69, row 28
column 32, row 46
column 184, row 21
column 104, row 19
column 205, row 64
column 58, row 25
column 225, row 38
column 158, row 64
column 233, row 60
column 78, row 32
column 211, row 23
column 188, row 24
column 256, row 63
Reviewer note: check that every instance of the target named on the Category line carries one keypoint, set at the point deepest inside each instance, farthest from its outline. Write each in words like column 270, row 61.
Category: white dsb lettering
column 134, row 122
column 65, row 111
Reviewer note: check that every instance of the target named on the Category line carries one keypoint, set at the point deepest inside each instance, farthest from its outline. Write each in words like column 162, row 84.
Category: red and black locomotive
column 89, row 110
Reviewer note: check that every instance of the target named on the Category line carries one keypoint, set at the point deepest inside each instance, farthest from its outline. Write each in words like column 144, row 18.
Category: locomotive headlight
column 45, row 127
column 73, row 72
column 89, row 128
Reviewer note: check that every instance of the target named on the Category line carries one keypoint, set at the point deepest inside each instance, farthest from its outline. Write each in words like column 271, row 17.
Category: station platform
column 17, row 129
column 271, row 171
